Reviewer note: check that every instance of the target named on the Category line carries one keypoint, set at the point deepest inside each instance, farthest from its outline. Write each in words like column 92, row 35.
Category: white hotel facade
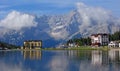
column 99, row 39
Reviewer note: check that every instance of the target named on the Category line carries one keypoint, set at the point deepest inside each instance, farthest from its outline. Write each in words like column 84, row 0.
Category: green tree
column 115, row 36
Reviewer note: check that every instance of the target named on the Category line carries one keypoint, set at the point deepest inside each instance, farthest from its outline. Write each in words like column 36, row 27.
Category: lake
column 60, row 60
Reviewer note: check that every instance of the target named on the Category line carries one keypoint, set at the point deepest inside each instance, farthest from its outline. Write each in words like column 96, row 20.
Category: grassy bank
column 79, row 48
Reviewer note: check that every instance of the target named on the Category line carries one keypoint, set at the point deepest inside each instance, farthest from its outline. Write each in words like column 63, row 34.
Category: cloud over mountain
column 96, row 17
column 89, row 14
column 16, row 21
column 85, row 20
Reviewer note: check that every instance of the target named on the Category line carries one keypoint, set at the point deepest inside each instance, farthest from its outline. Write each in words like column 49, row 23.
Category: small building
column 99, row 39
column 114, row 44
column 62, row 46
column 71, row 45
column 32, row 44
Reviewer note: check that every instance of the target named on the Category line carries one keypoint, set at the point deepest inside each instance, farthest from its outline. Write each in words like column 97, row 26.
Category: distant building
column 99, row 39
column 71, row 45
column 32, row 44
column 114, row 44
column 63, row 46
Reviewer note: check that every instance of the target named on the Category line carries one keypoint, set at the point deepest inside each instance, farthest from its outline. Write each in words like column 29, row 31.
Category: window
column 39, row 44
column 35, row 44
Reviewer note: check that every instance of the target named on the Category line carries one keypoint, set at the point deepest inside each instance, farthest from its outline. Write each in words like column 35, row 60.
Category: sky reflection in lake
column 72, row 60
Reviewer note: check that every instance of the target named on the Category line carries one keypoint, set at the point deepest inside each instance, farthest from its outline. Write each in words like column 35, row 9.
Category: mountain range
column 56, row 29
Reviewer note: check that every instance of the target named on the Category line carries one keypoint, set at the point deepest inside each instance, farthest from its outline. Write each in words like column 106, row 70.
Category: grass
column 79, row 48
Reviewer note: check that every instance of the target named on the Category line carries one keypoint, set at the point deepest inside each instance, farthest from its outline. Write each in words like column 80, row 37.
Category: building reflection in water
column 114, row 55
column 105, row 57
column 32, row 54
column 96, row 57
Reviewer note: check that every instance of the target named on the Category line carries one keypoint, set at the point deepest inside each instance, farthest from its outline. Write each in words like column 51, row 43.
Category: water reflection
column 114, row 55
column 71, row 60
column 11, row 67
column 32, row 54
column 58, row 63
column 11, row 61
column 96, row 57
column 79, row 55
column 97, row 60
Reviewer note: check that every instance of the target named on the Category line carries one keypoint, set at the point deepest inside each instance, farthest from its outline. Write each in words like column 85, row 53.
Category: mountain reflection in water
column 63, row 60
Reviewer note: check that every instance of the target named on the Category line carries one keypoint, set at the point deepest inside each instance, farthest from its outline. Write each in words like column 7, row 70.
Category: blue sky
column 55, row 6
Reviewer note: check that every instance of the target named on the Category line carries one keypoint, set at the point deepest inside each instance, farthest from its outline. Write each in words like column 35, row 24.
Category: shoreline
column 72, row 48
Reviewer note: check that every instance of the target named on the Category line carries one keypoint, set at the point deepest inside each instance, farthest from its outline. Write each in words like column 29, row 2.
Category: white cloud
column 17, row 21
column 61, row 34
column 89, row 13
column 95, row 17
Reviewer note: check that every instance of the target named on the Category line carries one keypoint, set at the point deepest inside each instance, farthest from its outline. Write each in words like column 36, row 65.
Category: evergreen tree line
column 80, row 41
column 115, row 36
column 8, row 46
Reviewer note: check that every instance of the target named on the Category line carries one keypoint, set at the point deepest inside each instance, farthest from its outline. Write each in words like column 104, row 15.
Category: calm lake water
column 60, row 60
